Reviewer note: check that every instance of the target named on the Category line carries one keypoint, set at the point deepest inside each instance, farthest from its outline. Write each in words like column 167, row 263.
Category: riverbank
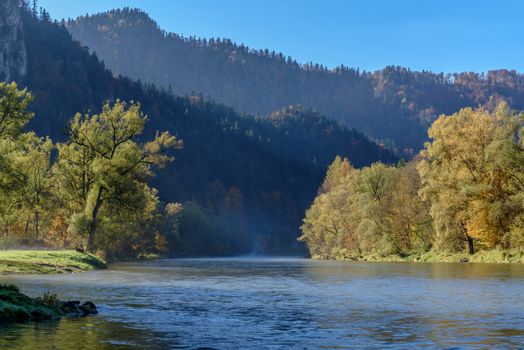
column 16, row 307
column 485, row 256
column 47, row 261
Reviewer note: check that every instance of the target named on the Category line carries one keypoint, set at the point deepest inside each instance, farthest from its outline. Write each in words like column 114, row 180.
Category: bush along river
column 259, row 303
column 17, row 307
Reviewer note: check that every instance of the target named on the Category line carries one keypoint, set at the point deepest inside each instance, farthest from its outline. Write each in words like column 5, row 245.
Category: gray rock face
column 13, row 57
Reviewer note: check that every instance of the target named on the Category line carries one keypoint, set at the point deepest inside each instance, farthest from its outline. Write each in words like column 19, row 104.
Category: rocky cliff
column 13, row 59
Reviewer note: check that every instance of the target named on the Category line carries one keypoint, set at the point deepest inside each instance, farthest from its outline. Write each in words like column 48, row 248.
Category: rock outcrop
column 13, row 57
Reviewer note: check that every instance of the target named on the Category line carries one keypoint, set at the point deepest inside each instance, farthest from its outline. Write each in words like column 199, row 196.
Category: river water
column 252, row 303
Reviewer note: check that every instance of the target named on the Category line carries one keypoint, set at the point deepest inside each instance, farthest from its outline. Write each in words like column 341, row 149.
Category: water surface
column 250, row 303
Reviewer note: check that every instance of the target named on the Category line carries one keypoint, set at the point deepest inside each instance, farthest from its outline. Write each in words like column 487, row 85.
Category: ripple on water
column 281, row 304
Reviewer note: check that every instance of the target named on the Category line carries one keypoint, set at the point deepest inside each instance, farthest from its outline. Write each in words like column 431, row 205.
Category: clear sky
column 437, row 35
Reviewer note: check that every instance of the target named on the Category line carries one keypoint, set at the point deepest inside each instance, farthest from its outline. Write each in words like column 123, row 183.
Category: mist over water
column 281, row 303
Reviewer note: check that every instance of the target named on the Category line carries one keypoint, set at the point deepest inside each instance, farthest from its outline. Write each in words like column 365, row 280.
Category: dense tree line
column 92, row 192
column 465, row 192
column 244, row 181
column 394, row 105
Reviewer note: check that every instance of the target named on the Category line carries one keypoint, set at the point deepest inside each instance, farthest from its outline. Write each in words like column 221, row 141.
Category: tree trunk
column 92, row 225
column 471, row 248
column 37, row 217
column 27, row 225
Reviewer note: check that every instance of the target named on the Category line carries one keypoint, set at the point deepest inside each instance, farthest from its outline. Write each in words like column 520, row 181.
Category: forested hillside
column 394, row 105
column 243, row 181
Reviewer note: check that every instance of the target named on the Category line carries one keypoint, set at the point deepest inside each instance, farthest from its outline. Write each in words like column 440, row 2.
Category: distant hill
column 245, row 180
column 394, row 105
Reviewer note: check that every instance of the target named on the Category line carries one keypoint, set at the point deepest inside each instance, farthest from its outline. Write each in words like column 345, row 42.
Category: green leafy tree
column 14, row 114
column 14, row 145
column 34, row 163
column 103, row 168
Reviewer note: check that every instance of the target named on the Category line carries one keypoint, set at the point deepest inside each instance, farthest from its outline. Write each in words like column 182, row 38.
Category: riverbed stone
column 88, row 308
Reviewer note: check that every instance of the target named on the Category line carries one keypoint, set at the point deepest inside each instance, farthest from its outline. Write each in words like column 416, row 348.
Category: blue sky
column 439, row 35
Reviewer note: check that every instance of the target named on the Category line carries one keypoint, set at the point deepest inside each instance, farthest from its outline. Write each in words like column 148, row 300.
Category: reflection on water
column 282, row 303
column 78, row 333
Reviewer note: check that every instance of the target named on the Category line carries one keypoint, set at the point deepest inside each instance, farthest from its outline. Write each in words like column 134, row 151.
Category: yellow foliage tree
column 469, row 176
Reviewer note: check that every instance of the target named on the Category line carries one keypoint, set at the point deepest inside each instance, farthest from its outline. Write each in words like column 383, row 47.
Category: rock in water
column 88, row 308
column 71, row 307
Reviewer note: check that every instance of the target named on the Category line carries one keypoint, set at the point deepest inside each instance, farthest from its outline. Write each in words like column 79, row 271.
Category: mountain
column 244, row 181
column 394, row 105
column 13, row 59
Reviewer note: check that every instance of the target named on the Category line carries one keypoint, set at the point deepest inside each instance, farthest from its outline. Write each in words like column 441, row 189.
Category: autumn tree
column 373, row 210
column 410, row 213
column 328, row 229
column 102, row 168
column 472, row 174
column 336, row 173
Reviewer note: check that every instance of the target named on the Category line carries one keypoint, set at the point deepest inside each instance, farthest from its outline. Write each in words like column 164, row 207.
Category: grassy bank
column 17, row 307
column 47, row 261
column 489, row 256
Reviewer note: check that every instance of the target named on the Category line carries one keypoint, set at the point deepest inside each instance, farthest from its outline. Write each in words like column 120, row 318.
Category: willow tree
column 375, row 210
column 102, row 168
column 327, row 227
column 472, row 173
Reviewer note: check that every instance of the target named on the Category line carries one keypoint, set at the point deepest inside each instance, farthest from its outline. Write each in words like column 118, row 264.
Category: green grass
column 17, row 307
column 484, row 256
column 47, row 261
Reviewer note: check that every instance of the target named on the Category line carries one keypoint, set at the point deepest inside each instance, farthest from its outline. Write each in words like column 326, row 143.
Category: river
column 281, row 303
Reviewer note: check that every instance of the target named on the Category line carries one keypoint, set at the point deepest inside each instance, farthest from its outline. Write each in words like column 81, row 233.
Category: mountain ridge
column 393, row 106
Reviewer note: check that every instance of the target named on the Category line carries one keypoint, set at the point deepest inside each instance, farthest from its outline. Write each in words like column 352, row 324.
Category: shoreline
column 16, row 307
column 481, row 257
column 14, row 262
